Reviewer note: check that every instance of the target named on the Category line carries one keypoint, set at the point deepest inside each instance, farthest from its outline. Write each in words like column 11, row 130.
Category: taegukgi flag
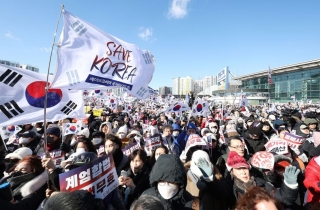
column 22, row 98
column 89, row 58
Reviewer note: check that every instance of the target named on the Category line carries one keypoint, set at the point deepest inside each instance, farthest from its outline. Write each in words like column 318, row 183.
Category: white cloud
column 11, row 36
column 178, row 9
column 44, row 49
column 145, row 33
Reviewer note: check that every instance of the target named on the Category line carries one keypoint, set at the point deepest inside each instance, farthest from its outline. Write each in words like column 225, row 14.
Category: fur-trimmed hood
column 108, row 124
column 35, row 184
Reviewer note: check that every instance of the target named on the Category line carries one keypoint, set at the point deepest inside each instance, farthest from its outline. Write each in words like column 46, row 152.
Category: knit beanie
column 54, row 130
column 236, row 161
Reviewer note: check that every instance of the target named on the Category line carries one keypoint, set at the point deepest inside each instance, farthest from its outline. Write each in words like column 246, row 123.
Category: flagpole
column 47, row 83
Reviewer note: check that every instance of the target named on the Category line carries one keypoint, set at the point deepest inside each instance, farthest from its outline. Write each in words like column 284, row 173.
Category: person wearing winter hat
column 122, row 132
column 180, row 141
column 98, row 139
column 242, row 181
column 312, row 124
column 254, row 140
column 175, row 130
column 106, row 128
column 168, row 181
column 54, row 142
column 120, row 123
column 206, row 182
column 29, row 139
column 13, row 158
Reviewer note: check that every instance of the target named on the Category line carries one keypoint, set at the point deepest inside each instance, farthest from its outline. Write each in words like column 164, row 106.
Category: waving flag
column 22, row 98
column 200, row 107
column 177, row 107
column 89, row 58
column 8, row 131
column 112, row 102
column 71, row 128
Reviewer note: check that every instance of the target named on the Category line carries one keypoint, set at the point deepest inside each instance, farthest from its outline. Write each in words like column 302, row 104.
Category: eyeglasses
column 162, row 183
column 239, row 147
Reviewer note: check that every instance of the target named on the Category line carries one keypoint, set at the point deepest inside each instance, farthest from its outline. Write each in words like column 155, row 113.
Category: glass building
column 299, row 81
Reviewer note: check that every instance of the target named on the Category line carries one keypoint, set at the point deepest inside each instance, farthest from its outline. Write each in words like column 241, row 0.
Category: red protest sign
column 98, row 177
column 264, row 160
column 279, row 146
column 194, row 140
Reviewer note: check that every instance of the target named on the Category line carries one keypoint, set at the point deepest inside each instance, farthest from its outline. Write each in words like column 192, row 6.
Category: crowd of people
column 201, row 162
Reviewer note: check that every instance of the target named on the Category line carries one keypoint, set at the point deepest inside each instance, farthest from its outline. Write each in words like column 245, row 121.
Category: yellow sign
column 97, row 112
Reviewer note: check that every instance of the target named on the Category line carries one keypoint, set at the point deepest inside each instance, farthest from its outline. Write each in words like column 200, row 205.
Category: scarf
column 244, row 186
column 18, row 182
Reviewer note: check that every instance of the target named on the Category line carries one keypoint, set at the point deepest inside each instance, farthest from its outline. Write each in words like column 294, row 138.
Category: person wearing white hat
column 13, row 158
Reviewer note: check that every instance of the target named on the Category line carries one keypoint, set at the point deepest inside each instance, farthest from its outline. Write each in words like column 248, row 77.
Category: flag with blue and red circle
column 23, row 96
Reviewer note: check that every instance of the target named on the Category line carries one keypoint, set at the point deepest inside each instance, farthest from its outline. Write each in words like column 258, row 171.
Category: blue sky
column 194, row 38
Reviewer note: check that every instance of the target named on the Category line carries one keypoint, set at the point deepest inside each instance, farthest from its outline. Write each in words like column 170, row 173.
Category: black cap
column 29, row 134
column 82, row 159
column 255, row 131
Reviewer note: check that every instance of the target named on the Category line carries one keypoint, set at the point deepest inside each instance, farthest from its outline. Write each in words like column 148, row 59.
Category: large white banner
column 22, row 94
column 89, row 58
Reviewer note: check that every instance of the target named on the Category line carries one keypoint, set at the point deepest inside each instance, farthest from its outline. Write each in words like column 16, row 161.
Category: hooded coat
column 170, row 169
column 108, row 125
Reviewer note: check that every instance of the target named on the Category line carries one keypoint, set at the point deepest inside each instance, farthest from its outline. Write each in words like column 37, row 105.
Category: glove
column 65, row 147
column 290, row 174
column 205, row 167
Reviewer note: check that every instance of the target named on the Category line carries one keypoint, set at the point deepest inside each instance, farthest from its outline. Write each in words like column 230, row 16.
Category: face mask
column 15, row 174
column 167, row 191
column 50, row 139
column 121, row 135
column 148, row 134
column 175, row 133
column 249, row 123
column 73, row 141
column 213, row 130
column 96, row 141
column 9, row 166
column 80, row 150
column 23, row 140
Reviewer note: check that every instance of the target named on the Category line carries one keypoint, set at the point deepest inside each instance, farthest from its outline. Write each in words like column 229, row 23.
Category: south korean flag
column 8, row 131
column 200, row 107
column 71, row 128
column 22, row 98
column 112, row 102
